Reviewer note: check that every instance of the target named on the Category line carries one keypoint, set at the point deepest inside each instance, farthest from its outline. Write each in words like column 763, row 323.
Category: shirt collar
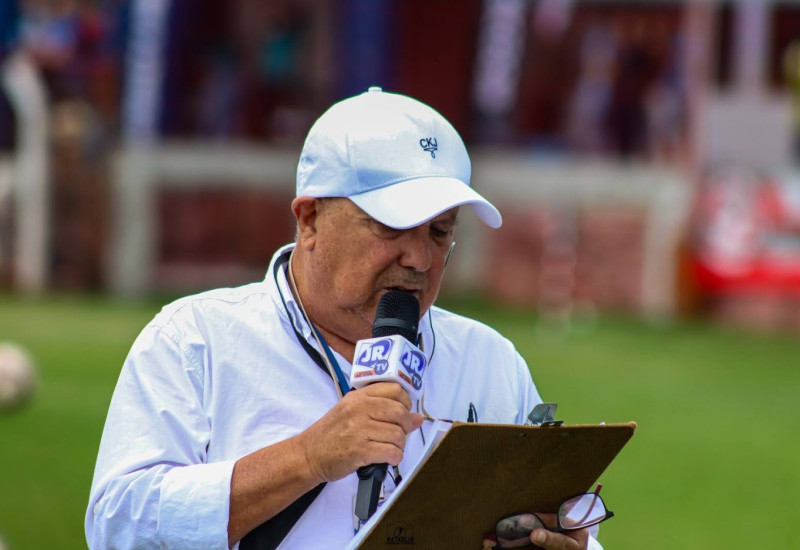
column 282, row 294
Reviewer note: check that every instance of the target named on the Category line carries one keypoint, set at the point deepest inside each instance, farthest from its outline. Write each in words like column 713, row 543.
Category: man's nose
column 416, row 249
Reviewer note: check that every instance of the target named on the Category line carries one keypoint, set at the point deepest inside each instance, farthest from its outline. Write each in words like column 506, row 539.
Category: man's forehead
column 448, row 216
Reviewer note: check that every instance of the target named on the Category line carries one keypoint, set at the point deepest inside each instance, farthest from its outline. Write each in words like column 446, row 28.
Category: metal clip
column 543, row 415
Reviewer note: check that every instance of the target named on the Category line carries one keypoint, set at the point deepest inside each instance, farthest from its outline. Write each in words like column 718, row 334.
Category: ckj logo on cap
column 429, row 145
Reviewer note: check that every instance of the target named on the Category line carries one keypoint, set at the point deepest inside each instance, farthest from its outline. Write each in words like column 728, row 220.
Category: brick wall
column 548, row 258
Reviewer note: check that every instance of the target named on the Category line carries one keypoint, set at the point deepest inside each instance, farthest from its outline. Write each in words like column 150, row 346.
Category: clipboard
column 479, row 473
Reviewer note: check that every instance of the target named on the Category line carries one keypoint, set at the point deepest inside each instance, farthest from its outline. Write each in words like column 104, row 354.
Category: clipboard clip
column 543, row 414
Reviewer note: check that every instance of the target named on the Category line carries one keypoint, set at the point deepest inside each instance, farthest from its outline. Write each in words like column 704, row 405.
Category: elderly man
column 232, row 417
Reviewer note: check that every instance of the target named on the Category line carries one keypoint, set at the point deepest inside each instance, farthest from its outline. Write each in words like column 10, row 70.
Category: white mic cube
column 389, row 359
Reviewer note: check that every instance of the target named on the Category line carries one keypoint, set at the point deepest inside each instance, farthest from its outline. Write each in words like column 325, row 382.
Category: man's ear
column 305, row 211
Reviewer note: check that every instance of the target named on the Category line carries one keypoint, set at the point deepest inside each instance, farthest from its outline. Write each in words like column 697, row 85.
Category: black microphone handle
column 397, row 313
column 370, row 481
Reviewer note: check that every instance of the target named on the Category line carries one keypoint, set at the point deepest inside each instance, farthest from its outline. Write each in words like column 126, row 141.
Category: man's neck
column 345, row 348
column 341, row 345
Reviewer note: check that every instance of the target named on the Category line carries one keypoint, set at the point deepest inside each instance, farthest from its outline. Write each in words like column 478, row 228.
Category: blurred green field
column 715, row 452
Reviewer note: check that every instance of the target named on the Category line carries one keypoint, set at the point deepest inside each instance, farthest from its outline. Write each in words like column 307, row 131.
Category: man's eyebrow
column 451, row 221
column 362, row 216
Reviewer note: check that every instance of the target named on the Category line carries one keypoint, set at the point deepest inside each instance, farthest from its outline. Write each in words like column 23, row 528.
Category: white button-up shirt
column 221, row 374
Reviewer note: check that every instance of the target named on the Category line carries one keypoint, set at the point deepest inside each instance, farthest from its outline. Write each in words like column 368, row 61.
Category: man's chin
column 367, row 316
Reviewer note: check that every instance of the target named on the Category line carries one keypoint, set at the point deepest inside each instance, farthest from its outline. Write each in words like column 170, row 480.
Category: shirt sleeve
column 594, row 544
column 529, row 397
column 152, row 487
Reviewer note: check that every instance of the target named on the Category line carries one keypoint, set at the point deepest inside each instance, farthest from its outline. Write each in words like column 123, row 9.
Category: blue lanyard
column 340, row 377
column 308, row 348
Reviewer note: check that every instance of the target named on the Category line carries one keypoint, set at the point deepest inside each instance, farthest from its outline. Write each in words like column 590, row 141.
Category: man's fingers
column 383, row 432
column 389, row 390
column 550, row 540
column 380, row 453
column 392, row 412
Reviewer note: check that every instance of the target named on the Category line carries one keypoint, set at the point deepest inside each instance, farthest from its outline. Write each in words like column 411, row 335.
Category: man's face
column 356, row 260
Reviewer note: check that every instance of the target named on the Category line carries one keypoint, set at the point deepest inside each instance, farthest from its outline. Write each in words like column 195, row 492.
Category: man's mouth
column 416, row 291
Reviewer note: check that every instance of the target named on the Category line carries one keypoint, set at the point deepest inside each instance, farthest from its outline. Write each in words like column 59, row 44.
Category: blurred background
column 644, row 155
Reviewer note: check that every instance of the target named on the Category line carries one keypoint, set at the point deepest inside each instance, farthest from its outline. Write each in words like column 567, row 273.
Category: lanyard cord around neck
column 327, row 362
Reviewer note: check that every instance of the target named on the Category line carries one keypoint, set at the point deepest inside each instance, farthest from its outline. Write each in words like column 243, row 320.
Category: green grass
column 715, row 450
column 49, row 448
column 718, row 413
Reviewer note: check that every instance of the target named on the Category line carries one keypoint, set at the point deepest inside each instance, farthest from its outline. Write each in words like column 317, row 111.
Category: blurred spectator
column 591, row 95
column 275, row 48
column 220, row 95
column 544, row 88
column 69, row 41
column 194, row 31
column 9, row 26
column 667, row 102
column 235, row 69
column 9, row 31
column 791, row 72
column 627, row 117
column 604, row 81
column 49, row 33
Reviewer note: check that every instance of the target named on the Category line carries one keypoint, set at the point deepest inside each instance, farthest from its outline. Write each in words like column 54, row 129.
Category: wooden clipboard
column 480, row 473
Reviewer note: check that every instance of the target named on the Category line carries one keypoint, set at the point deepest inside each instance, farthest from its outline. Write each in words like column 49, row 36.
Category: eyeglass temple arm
column 596, row 494
column 609, row 513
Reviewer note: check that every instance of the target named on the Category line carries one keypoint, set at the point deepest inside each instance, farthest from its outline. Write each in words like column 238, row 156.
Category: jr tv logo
column 413, row 362
column 375, row 355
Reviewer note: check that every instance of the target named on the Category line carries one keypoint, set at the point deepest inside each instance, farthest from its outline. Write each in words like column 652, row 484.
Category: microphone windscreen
column 397, row 313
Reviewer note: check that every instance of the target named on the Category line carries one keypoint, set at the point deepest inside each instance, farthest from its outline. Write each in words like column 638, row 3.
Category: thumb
column 549, row 540
column 539, row 536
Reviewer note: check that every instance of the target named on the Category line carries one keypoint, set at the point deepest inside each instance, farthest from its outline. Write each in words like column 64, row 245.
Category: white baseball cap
column 397, row 159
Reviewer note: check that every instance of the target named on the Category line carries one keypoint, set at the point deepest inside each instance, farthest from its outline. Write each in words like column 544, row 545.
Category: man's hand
column 368, row 426
column 577, row 539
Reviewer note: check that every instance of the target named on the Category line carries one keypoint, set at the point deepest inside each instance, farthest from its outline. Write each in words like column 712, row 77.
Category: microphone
column 391, row 355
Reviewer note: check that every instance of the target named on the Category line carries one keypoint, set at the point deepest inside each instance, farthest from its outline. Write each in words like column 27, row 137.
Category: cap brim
column 413, row 202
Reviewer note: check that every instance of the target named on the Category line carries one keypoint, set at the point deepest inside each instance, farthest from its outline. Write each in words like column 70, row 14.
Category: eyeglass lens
column 581, row 511
column 576, row 513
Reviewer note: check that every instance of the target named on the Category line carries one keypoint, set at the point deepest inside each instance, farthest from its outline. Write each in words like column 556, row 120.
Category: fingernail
column 539, row 536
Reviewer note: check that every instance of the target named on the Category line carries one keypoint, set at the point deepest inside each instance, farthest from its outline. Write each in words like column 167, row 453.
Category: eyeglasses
column 575, row 513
